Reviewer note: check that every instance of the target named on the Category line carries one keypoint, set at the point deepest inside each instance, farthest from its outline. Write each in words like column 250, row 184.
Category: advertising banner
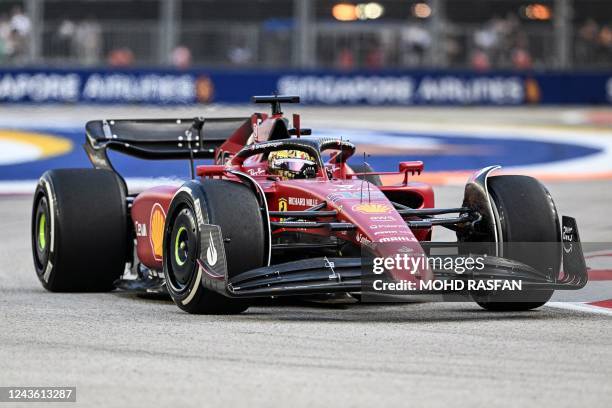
column 154, row 86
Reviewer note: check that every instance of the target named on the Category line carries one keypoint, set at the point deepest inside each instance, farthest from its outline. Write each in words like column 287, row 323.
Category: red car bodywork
column 356, row 201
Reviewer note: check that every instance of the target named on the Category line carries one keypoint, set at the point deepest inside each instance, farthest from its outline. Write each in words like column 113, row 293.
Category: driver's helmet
column 291, row 164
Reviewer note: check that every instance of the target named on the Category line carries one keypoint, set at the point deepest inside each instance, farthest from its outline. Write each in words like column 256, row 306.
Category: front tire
column 528, row 216
column 233, row 207
column 79, row 230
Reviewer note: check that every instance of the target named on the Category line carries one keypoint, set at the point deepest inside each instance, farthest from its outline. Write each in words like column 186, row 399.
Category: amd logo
column 141, row 229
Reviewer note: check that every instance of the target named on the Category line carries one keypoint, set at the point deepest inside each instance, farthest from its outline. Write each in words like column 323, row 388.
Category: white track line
column 580, row 307
column 135, row 184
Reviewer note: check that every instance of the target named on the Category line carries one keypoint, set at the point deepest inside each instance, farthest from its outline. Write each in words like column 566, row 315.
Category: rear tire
column 527, row 215
column 232, row 206
column 79, row 230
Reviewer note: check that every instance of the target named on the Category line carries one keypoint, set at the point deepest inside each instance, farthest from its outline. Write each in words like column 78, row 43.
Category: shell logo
column 21, row 147
column 204, row 89
column 372, row 208
column 158, row 219
column 532, row 91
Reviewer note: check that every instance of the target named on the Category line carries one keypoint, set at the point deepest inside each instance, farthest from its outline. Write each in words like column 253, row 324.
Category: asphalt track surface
column 121, row 350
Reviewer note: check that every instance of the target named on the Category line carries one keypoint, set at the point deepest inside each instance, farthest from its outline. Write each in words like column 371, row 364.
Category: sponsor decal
column 308, row 223
column 348, row 89
column 334, row 197
column 331, row 266
column 326, row 87
column 386, row 226
column 256, row 172
column 204, row 89
column 347, row 187
column 355, row 195
column 104, row 87
column 385, row 232
column 141, row 229
column 211, row 252
column 568, row 233
column 303, row 201
column 568, row 239
column 372, row 208
column 48, row 270
column 454, row 89
column 40, row 87
column 362, row 238
column 156, row 222
column 398, row 239
column 532, row 91
column 384, row 89
column 384, row 218
column 282, row 204
column 164, row 88
column 265, row 145
column 198, row 211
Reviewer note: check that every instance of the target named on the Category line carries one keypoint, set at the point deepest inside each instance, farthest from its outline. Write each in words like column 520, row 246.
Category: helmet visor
column 292, row 165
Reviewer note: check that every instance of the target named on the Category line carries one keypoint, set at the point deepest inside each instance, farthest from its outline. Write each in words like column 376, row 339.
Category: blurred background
column 460, row 84
column 385, row 34
column 399, row 52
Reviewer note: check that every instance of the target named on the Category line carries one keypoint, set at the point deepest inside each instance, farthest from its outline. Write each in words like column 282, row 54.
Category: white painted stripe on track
column 135, row 184
column 580, row 307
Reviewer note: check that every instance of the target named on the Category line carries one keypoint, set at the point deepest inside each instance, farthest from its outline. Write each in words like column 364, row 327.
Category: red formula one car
column 279, row 213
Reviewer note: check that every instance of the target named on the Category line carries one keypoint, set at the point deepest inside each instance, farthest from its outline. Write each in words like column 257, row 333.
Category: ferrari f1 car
column 280, row 212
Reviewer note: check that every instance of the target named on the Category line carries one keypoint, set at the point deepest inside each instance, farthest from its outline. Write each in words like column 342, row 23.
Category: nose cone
column 379, row 225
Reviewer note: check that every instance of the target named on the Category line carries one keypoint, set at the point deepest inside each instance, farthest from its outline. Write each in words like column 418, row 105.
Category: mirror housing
column 412, row 167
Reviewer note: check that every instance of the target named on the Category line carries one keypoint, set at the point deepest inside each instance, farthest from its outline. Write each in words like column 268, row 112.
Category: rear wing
column 158, row 139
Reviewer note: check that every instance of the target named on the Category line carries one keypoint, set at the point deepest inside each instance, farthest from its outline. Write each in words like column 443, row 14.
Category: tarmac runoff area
column 121, row 350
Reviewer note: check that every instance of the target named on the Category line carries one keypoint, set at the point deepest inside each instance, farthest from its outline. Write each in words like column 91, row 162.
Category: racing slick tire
column 233, row 207
column 527, row 215
column 79, row 230
column 366, row 168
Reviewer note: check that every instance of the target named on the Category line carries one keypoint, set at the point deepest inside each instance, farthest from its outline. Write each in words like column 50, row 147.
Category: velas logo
column 372, row 208
column 21, row 147
column 158, row 219
column 211, row 252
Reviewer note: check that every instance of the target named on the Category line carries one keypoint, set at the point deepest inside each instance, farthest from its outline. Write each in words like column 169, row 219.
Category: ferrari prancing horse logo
column 282, row 204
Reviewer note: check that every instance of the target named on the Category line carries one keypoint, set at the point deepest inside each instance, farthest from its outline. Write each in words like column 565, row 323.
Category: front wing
column 331, row 275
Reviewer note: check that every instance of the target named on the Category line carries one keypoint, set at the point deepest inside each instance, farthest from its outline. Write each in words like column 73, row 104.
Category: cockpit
column 295, row 158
